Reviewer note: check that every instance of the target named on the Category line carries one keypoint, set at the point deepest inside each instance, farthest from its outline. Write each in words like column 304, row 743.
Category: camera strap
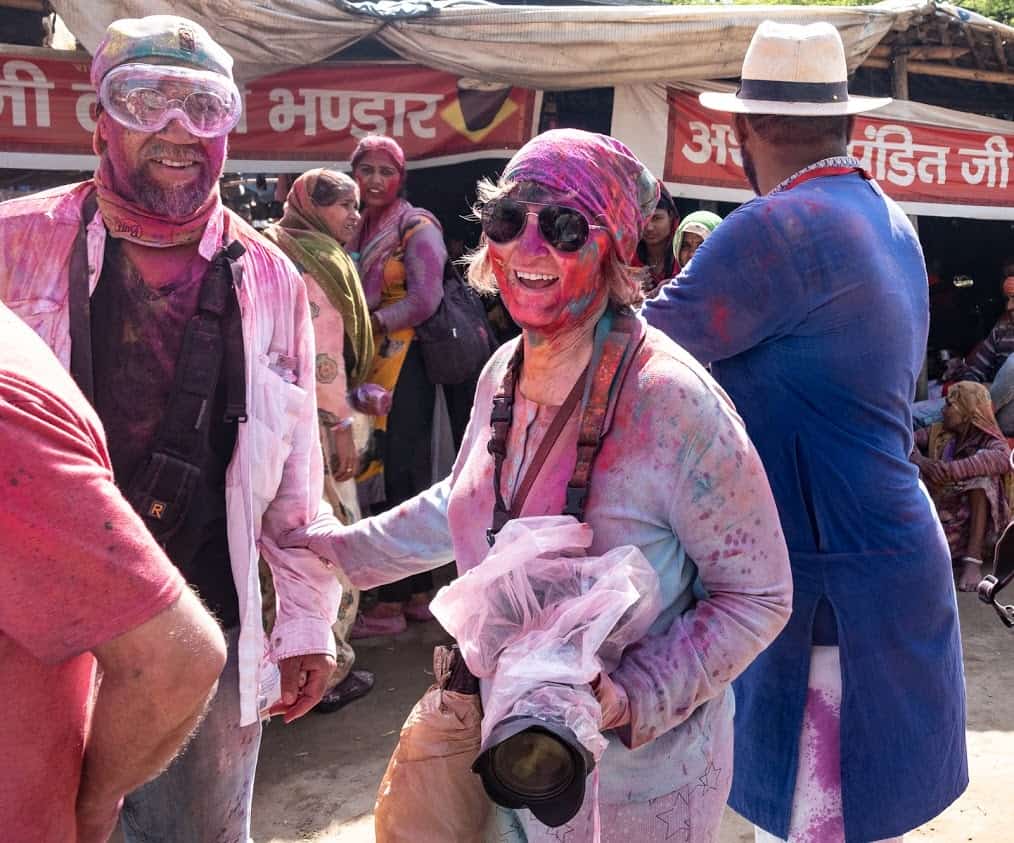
column 163, row 485
column 617, row 336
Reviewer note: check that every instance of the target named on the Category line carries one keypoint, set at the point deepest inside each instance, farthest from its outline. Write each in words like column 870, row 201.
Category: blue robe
column 811, row 304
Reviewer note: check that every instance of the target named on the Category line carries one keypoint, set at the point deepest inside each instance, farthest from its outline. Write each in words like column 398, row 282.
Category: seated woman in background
column 655, row 248
column 966, row 459
column 694, row 230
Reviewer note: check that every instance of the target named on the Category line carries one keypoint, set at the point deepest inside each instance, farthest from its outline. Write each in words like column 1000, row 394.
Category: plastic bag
column 429, row 791
column 539, row 621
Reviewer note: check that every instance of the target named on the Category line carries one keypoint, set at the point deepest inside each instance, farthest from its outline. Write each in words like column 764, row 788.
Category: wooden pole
column 899, row 90
column 899, row 75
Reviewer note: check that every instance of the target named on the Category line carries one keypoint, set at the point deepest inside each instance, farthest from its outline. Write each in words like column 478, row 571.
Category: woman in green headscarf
column 320, row 215
column 693, row 230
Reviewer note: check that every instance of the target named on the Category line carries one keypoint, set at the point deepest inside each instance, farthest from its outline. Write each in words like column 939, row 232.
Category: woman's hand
column 372, row 399
column 935, row 471
column 317, row 537
column 344, row 459
column 954, row 365
column 614, row 702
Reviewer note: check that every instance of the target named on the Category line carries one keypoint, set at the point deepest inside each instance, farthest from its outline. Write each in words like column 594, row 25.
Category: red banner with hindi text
column 315, row 113
column 912, row 162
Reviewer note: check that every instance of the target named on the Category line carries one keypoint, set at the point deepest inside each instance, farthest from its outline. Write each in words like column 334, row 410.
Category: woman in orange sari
column 401, row 256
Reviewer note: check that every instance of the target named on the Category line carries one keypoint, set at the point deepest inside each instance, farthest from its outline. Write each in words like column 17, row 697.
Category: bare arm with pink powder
column 722, row 510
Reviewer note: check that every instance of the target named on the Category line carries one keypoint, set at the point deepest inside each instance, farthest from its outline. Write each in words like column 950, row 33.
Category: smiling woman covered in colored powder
column 675, row 475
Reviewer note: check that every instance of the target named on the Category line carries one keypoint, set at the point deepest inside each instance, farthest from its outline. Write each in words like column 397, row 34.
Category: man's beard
column 173, row 203
column 749, row 169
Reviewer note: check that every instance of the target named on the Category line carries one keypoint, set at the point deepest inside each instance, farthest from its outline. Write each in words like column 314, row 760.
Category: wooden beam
column 883, row 51
column 923, row 68
column 1000, row 50
column 24, row 5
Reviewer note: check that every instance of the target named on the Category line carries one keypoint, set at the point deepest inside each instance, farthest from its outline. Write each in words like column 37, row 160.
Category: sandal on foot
column 354, row 686
column 418, row 612
column 370, row 626
column 965, row 562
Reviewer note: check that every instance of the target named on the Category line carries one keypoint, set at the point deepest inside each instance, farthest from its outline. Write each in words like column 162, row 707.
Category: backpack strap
column 79, row 301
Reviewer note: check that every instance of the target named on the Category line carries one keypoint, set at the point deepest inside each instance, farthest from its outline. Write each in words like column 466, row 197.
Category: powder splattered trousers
column 816, row 801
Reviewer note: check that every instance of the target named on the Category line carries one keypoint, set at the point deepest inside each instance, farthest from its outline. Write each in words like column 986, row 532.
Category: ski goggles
column 563, row 228
column 145, row 97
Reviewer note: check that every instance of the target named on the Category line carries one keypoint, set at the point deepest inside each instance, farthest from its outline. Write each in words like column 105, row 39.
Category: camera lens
column 533, row 764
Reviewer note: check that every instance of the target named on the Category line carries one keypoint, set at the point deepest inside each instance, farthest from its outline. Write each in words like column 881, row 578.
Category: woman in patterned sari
column 320, row 215
column 966, row 460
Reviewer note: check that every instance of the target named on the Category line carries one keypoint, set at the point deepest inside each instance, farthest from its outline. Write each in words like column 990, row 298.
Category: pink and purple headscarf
column 595, row 174
column 380, row 143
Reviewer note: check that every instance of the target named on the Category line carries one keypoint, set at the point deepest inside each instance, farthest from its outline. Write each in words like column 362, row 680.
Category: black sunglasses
column 563, row 228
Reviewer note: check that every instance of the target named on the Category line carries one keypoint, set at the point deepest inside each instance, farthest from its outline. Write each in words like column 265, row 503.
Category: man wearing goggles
column 124, row 263
column 145, row 97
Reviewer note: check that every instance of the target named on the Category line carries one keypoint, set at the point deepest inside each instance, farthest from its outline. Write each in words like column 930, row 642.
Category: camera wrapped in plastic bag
column 538, row 621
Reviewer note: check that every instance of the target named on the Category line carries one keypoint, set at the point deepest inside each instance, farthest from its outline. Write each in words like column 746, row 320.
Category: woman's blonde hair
column 622, row 281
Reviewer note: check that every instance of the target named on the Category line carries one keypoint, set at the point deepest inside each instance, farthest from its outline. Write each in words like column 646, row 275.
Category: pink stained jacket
column 274, row 480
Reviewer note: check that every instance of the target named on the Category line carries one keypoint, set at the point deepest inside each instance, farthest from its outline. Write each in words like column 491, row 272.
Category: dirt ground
column 318, row 778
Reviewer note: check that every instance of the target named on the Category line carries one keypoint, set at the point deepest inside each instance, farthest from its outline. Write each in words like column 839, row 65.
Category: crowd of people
column 248, row 419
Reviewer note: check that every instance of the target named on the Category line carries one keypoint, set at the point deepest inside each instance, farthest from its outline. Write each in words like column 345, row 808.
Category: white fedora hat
column 793, row 70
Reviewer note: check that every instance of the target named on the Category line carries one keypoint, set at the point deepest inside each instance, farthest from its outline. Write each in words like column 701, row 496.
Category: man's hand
column 96, row 822
column 304, row 679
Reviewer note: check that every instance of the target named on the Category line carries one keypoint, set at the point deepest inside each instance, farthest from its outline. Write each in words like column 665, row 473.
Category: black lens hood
column 563, row 805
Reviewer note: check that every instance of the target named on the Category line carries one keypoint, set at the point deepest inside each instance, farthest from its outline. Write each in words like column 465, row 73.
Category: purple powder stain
column 824, row 829
column 824, row 726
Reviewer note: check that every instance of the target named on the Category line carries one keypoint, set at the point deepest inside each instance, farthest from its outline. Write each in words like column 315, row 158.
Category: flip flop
column 357, row 684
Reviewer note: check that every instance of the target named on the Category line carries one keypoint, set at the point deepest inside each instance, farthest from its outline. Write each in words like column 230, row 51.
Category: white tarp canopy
column 543, row 47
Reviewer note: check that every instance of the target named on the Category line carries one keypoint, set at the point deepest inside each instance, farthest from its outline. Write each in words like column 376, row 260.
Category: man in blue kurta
column 810, row 303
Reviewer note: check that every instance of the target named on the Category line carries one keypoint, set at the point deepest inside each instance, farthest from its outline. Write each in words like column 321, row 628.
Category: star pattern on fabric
column 664, row 818
column 564, row 833
column 515, row 831
column 676, row 818
column 683, row 808
column 709, row 780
